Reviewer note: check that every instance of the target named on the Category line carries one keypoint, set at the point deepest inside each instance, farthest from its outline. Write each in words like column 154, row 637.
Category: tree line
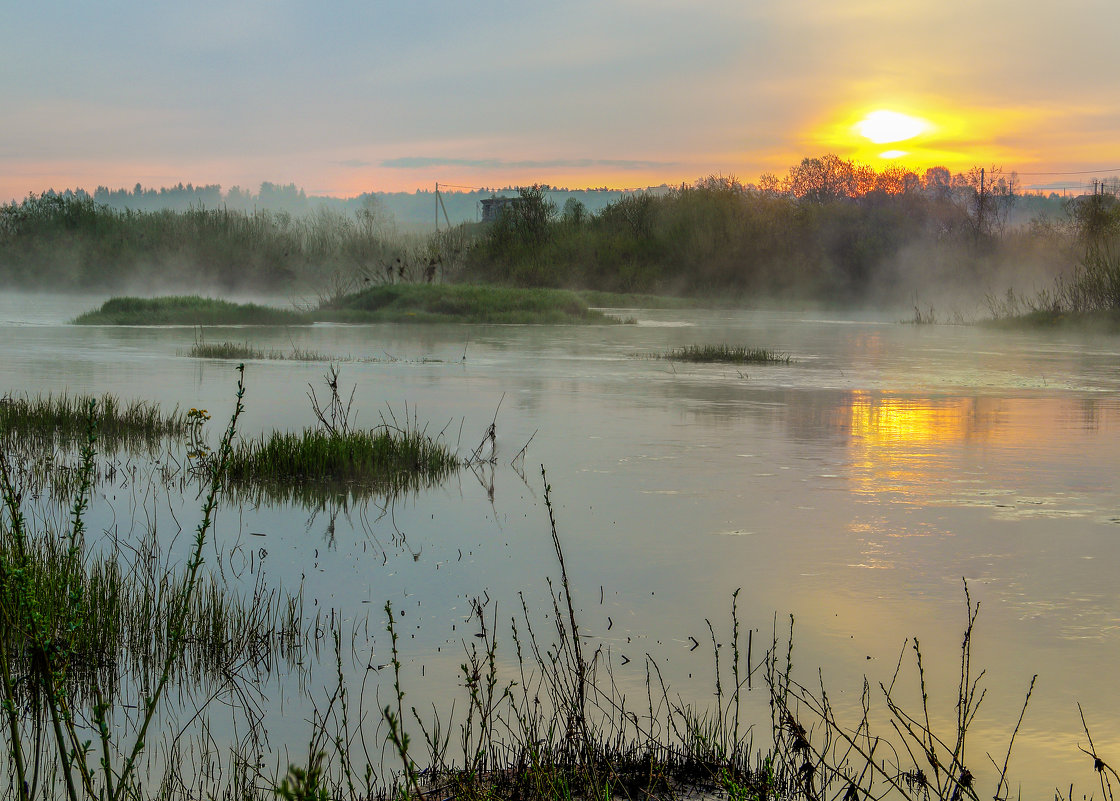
column 830, row 231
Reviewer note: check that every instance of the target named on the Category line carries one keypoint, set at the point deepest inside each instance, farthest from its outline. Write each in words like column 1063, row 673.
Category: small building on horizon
column 493, row 206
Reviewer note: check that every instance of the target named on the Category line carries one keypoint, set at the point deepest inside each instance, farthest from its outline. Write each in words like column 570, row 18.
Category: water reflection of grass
column 127, row 605
column 324, row 495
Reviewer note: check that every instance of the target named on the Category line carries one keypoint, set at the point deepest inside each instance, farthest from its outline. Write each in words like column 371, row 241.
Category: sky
column 345, row 97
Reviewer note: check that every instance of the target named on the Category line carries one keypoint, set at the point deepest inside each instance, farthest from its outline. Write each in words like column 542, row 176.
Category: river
column 855, row 488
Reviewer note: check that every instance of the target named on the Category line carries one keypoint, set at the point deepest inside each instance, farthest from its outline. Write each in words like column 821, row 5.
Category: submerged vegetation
column 727, row 354
column 187, row 310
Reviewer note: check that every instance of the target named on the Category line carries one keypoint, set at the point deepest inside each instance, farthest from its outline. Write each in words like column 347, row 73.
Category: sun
column 884, row 126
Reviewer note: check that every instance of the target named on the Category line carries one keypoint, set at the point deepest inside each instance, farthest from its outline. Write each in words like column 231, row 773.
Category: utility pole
column 439, row 205
column 980, row 207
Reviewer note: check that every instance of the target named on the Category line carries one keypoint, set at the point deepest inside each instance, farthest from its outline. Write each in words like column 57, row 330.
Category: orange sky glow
column 620, row 93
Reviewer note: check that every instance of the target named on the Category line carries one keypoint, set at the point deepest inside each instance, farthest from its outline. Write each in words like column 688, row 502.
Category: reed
column 726, row 354
column 543, row 720
column 243, row 350
column 63, row 419
column 385, row 458
column 41, row 657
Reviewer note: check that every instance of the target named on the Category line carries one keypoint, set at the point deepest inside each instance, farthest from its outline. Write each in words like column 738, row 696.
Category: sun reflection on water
column 896, row 443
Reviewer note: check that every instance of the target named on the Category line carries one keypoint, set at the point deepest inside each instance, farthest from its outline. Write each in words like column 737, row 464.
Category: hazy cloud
column 131, row 90
column 421, row 162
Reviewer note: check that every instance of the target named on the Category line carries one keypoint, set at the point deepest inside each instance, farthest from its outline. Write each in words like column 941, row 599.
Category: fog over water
column 853, row 489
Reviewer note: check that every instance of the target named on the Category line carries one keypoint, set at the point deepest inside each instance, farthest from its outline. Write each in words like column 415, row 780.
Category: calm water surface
column 853, row 489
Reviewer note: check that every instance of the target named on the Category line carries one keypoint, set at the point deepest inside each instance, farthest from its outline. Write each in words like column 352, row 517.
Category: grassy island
column 411, row 303
column 188, row 310
column 465, row 303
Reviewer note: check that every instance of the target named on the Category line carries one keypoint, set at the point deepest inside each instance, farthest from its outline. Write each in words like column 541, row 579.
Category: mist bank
column 830, row 232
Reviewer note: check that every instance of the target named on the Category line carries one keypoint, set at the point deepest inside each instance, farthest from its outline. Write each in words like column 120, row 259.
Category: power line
column 1071, row 172
column 550, row 189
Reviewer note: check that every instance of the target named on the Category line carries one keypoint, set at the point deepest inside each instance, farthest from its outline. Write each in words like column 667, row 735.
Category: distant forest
column 830, row 231
column 408, row 211
column 418, row 211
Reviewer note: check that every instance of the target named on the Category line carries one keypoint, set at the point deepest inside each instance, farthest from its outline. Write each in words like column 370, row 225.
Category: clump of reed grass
column 391, row 457
column 64, row 419
column 226, row 350
column 243, row 350
column 385, row 457
column 725, row 354
column 187, row 310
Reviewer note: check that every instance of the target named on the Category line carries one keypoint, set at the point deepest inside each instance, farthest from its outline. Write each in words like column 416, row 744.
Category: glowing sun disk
column 882, row 127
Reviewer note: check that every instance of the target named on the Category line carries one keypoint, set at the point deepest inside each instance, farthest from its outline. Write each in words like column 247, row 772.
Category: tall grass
column 539, row 716
column 43, row 646
column 63, row 419
column 385, row 458
column 243, row 350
